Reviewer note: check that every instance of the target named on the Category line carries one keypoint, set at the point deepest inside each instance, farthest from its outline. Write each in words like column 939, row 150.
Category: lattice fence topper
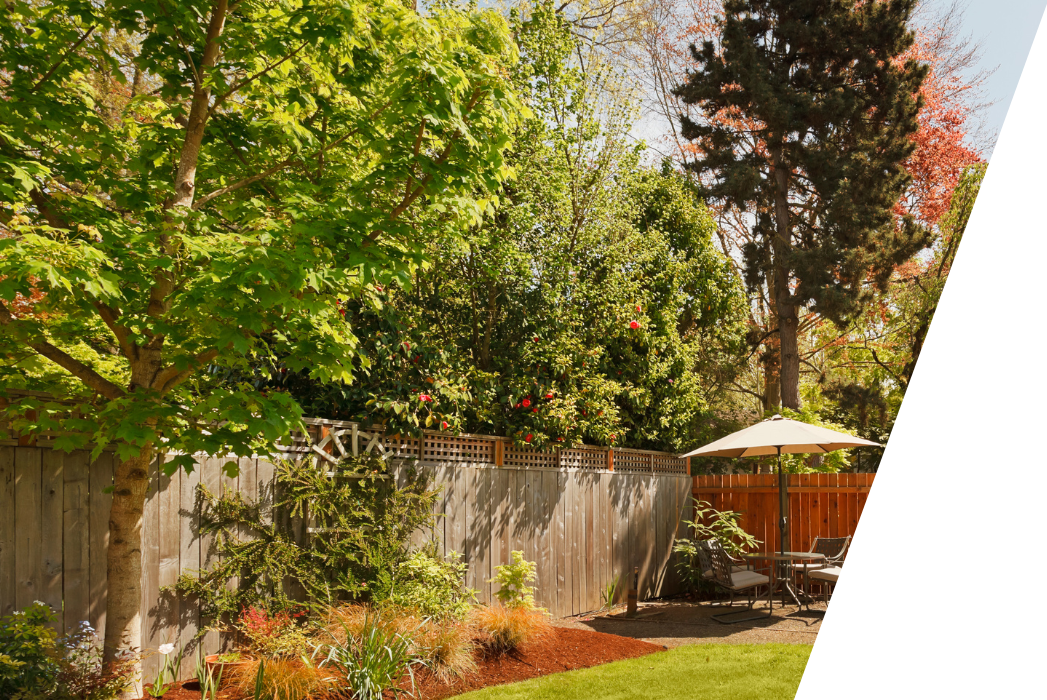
column 330, row 442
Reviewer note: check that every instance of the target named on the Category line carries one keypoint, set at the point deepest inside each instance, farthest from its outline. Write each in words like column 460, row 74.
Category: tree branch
column 409, row 196
column 283, row 164
column 236, row 86
column 171, row 376
column 76, row 368
column 742, row 390
column 243, row 183
column 41, row 202
column 61, row 60
column 109, row 317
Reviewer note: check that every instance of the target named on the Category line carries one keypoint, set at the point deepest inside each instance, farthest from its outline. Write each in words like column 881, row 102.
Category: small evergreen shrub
column 514, row 579
column 433, row 586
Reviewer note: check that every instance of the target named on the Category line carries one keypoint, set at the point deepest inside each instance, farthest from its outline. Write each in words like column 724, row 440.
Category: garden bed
column 563, row 649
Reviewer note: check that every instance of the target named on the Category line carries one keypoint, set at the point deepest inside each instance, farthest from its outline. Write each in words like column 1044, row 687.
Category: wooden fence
column 581, row 522
column 820, row 505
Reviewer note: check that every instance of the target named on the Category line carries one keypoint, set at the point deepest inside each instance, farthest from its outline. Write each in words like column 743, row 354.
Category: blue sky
column 1006, row 29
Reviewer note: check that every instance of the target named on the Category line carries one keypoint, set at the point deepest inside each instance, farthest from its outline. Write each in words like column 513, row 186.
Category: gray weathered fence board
column 8, row 581
column 582, row 528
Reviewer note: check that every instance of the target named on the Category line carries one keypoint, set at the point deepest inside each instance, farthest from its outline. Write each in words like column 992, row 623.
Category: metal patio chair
column 826, row 578
column 734, row 581
column 834, row 549
column 706, row 564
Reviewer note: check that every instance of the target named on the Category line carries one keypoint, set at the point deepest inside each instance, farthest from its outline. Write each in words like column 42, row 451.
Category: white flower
column 166, row 649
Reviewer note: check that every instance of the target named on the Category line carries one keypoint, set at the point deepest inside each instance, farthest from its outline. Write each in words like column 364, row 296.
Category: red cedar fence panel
column 820, row 505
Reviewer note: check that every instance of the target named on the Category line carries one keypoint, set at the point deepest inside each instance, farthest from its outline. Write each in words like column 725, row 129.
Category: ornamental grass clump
column 285, row 679
column 348, row 622
column 374, row 657
column 447, row 647
column 503, row 629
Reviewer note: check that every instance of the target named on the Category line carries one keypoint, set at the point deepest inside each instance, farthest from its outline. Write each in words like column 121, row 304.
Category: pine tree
column 809, row 113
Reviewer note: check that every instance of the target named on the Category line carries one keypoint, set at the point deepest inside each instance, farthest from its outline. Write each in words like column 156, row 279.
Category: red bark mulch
column 563, row 649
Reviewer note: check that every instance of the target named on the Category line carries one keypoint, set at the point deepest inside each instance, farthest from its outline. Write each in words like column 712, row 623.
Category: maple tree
column 198, row 184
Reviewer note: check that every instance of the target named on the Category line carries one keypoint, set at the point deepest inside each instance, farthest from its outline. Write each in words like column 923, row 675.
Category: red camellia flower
column 443, row 425
column 425, row 398
column 559, row 439
column 634, row 325
column 534, row 410
column 536, row 339
column 526, row 403
column 613, row 438
column 407, row 346
column 529, row 437
column 637, row 308
column 549, row 395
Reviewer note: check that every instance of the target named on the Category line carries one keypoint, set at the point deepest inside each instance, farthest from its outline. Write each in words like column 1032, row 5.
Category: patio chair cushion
column 748, row 579
column 830, row 574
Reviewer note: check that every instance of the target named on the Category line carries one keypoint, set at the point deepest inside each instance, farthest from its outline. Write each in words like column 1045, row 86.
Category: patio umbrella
column 779, row 436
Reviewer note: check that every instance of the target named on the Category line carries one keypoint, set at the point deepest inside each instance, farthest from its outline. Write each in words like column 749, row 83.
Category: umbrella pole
column 783, row 505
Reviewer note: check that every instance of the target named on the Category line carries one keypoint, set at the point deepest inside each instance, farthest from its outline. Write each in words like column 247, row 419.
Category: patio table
column 780, row 573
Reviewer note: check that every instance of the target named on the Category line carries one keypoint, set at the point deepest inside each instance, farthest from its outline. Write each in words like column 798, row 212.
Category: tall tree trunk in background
column 789, row 353
column 770, row 359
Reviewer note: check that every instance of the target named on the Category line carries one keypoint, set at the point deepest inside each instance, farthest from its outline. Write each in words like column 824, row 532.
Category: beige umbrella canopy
column 778, row 436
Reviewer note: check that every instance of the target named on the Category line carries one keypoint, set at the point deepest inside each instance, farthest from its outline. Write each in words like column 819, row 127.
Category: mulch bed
column 563, row 649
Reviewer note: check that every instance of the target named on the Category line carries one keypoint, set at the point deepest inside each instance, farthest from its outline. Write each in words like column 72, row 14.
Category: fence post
column 499, row 452
column 610, row 459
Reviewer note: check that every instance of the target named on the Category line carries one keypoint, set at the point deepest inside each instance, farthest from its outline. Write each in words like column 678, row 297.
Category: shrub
column 36, row 663
column 30, row 658
column 369, row 522
column 284, row 679
column 504, row 629
column 433, row 586
column 273, row 635
column 373, row 659
column 709, row 524
column 513, row 579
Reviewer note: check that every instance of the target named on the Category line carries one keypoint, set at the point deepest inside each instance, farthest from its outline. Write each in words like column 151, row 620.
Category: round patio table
column 780, row 573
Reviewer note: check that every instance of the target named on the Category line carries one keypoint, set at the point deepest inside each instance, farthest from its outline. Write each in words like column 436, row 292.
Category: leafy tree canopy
column 196, row 183
column 592, row 306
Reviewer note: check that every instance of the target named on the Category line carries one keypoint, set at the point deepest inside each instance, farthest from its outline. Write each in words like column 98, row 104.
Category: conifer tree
column 809, row 113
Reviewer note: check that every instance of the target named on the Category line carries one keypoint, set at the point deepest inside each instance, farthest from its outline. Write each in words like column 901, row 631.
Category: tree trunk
column 770, row 359
column 789, row 353
column 123, row 624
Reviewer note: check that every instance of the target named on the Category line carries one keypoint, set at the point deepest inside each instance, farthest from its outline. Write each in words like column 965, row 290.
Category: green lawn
column 706, row 671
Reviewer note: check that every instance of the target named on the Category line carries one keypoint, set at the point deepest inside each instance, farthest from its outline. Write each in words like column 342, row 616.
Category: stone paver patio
column 674, row 623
